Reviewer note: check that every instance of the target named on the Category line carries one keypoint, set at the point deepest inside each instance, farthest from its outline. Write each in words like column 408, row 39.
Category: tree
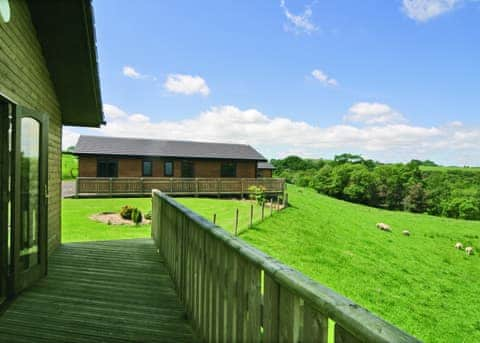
column 415, row 199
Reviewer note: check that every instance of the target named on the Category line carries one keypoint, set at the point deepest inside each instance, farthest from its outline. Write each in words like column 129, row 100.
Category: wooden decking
column 112, row 291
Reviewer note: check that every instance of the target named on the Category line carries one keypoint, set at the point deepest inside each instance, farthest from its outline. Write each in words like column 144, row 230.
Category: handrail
column 291, row 305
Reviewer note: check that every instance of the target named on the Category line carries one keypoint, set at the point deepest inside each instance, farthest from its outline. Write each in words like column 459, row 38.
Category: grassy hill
column 419, row 283
column 444, row 169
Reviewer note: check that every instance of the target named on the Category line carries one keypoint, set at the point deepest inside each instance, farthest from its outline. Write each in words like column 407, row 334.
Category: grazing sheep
column 459, row 246
column 406, row 233
column 469, row 250
column 384, row 227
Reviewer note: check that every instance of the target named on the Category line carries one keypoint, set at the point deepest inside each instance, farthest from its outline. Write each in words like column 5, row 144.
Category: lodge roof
column 120, row 146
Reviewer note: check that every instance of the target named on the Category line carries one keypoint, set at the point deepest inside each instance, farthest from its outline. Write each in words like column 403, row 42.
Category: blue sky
column 393, row 80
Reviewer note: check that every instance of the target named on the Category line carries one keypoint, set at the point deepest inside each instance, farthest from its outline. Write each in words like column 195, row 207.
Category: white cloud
column 186, row 84
column 424, row 10
column 373, row 113
column 324, row 78
column 113, row 112
column 69, row 138
column 385, row 140
column 130, row 72
column 298, row 23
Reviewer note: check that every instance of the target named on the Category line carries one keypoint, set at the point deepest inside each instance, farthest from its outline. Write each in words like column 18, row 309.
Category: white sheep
column 384, row 227
column 459, row 246
column 469, row 250
column 406, row 233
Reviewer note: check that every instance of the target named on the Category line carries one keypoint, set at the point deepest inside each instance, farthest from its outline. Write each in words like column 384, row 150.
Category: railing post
column 242, row 187
column 196, row 186
column 142, row 190
column 171, row 185
column 219, row 186
column 111, row 187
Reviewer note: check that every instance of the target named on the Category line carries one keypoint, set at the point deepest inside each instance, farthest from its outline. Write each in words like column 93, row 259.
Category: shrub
column 257, row 193
column 148, row 215
column 137, row 216
column 126, row 212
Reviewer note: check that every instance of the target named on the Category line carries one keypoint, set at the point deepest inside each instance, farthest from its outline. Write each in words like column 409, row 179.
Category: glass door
column 29, row 230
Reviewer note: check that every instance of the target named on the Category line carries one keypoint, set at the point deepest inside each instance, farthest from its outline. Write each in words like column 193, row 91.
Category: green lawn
column 77, row 226
column 69, row 166
column 419, row 283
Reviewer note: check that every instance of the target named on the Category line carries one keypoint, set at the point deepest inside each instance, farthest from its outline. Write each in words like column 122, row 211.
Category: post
column 219, row 185
column 263, row 210
column 241, row 186
column 251, row 216
column 142, row 190
column 77, row 187
column 236, row 222
column 278, row 203
column 271, row 206
column 196, row 187
column 214, row 218
column 111, row 187
column 171, row 185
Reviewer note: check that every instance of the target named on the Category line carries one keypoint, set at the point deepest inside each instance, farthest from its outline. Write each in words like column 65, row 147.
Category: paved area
column 68, row 189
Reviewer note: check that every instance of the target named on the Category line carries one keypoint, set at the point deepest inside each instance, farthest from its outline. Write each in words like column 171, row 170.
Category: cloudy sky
column 392, row 80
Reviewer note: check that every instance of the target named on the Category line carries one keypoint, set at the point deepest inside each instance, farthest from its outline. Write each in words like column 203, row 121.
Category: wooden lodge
column 112, row 166
column 194, row 282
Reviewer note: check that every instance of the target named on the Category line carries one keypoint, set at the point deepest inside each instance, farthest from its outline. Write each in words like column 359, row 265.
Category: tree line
column 400, row 186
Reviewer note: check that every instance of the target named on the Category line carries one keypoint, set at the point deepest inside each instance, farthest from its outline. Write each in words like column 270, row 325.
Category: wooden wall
column 265, row 173
column 25, row 79
column 132, row 167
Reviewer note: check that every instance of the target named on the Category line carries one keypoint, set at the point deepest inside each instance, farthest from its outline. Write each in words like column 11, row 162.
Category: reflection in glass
column 29, row 191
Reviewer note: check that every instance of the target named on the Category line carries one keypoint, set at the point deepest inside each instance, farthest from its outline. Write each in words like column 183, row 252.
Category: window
column 147, row 168
column 229, row 169
column 187, row 169
column 107, row 168
column 168, row 168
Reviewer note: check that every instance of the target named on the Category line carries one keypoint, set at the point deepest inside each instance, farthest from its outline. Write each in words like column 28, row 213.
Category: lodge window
column 147, row 167
column 228, row 169
column 168, row 168
column 187, row 169
column 107, row 168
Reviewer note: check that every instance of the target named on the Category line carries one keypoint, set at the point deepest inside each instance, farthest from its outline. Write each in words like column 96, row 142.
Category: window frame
column 147, row 160
column 165, row 169
column 222, row 166
column 188, row 162
column 108, row 162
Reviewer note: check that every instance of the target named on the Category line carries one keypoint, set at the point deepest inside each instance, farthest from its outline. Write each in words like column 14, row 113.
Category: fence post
column 77, row 187
column 242, row 188
column 142, row 190
column 251, row 216
column 196, row 187
column 236, row 222
column 219, row 186
column 263, row 210
column 214, row 218
column 271, row 206
column 171, row 185
column 111, row 187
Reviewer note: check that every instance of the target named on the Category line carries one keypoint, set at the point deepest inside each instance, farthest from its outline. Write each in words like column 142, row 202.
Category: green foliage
column 257, row 193
column 137, row 216
column 450, row 192
column 69, row 166
column 126, row 212
column 414, row 282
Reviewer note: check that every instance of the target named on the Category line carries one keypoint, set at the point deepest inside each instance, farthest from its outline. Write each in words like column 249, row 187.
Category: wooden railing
column 233, row 292
column 90, row 186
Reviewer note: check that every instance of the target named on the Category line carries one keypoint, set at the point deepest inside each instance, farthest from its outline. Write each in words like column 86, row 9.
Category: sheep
column 469, row 250
column 384, row 227
column 459, row 246
column 406, row 233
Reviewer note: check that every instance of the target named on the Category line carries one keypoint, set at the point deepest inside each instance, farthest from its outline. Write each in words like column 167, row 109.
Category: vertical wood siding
column 25, row 79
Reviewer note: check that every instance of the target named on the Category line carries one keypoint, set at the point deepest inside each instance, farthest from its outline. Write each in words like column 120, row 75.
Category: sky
column 391, row 80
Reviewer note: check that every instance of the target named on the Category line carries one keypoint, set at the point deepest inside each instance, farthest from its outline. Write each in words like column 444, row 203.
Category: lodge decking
column 115, row 291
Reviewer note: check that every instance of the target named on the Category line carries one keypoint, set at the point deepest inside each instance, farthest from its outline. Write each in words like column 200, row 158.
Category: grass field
column 419, row 283
column 77, row 226
column 443, row 169
column 69, row 166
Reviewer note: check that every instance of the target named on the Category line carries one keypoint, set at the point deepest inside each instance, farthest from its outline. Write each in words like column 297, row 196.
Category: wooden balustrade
column 233, row 292
column 97, row 186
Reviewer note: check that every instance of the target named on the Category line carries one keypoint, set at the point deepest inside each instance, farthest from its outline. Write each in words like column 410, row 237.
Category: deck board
column 112, row 291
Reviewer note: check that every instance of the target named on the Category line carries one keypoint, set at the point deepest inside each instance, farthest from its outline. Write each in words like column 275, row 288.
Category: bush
column 137, row 216
column 148, row 215
column 126, row 212
column 257, row 193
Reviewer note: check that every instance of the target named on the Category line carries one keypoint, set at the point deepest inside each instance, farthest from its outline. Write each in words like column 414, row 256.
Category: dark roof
column 96, row 145
column 265, row 165
column 66, row 32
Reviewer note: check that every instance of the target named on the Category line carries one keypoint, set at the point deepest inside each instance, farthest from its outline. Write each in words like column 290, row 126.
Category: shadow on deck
column 112, row 291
